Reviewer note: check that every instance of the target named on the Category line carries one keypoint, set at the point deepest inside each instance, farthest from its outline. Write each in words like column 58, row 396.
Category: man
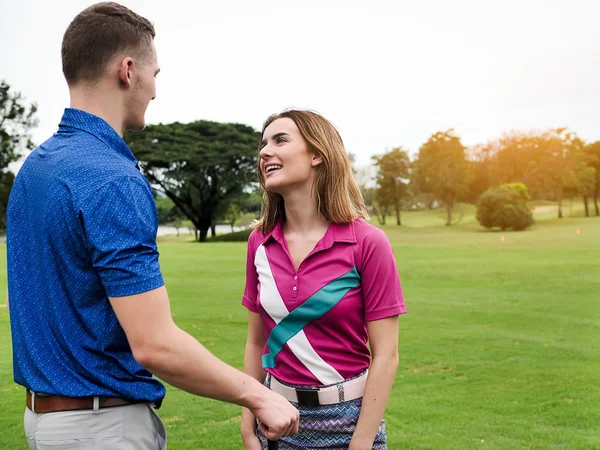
column 89, row 311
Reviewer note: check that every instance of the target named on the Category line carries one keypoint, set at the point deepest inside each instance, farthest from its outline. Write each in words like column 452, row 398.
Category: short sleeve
column 382, row 292
column 121, row 222
column 250, row 298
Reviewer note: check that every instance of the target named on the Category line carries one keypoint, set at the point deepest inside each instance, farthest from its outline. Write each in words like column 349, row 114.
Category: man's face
column 143, row 89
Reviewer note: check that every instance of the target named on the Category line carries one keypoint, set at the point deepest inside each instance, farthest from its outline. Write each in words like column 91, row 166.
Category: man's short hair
column 99, row 33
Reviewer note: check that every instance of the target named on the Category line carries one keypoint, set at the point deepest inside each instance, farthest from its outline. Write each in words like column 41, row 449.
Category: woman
column 320, row 282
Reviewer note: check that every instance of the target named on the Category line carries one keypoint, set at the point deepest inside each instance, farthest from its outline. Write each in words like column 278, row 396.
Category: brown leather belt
column 55, row 403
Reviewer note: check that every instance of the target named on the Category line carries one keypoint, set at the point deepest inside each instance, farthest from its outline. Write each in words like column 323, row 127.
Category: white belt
column 338, row 393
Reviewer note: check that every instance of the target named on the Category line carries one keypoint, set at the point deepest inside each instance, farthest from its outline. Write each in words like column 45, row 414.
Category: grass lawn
column 500, row 348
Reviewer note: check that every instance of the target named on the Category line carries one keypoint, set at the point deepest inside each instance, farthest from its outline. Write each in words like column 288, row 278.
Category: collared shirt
column 315, row 318
column 81, row 226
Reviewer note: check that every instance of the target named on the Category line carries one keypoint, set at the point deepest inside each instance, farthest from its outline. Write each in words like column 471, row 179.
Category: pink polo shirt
column 332, row 347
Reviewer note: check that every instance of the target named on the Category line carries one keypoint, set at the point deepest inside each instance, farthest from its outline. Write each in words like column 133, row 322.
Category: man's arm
column 171, row 354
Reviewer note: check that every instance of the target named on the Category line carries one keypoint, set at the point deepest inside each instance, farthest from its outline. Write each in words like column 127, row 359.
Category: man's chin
column 137, row 126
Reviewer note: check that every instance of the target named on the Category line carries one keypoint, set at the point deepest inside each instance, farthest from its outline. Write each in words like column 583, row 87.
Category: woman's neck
column 302, row 214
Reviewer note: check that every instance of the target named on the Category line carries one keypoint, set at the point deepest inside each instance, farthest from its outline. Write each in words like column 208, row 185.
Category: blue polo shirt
column 81, row 226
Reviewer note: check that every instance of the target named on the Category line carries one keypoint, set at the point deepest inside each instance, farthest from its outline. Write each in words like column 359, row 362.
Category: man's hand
column 174, row 356
column 277, row 417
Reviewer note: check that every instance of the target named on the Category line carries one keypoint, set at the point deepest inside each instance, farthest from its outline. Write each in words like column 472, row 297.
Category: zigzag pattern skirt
column 326, row 427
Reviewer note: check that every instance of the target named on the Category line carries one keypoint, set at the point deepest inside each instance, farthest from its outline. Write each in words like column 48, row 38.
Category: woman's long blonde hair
column 339, row 199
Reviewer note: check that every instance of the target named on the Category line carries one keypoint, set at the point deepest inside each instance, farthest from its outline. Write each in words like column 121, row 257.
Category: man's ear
column 126, row 71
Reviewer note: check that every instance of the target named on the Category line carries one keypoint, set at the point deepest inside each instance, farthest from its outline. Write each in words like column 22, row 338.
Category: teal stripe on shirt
column 315, row 307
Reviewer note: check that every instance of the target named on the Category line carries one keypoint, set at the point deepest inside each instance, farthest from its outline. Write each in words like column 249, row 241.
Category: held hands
column 277, row 417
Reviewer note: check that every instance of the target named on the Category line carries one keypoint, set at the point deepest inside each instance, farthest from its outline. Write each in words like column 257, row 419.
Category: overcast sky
column 386, row 73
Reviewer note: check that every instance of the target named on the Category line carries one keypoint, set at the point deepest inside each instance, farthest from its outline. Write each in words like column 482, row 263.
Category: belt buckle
column 308, row 397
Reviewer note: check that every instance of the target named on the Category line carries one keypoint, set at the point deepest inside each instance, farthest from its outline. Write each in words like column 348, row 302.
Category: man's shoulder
column 89, row 156
column 73, row 141
column 81, row 177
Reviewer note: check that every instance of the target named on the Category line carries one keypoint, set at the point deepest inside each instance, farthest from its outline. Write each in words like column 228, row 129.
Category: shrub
column 238, row 236
column 505, row 207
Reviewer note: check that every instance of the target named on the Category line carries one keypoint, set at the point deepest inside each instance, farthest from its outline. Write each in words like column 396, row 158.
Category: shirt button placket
column 295, row 288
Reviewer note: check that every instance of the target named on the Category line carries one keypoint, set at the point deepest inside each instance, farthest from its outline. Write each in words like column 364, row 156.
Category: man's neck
column 101, row 103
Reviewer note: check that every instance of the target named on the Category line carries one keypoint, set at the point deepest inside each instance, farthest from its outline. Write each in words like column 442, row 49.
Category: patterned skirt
column 326, row 427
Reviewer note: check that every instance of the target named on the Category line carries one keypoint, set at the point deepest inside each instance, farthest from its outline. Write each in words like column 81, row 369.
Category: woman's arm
column 253, row 366
column 383, row 336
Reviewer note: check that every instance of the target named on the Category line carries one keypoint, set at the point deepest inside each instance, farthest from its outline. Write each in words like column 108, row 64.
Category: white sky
column 387, row 73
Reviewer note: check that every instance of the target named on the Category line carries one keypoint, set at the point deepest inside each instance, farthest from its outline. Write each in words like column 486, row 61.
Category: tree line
column 553, row 164
column 205, row 172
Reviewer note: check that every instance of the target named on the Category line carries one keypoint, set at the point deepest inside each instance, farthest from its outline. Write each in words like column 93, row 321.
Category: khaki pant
column 129, row 427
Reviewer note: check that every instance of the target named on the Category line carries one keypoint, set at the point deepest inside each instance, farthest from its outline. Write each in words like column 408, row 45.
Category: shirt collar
column 335, row 233
column 97, row 127
column 276, row 234
column 344, row 232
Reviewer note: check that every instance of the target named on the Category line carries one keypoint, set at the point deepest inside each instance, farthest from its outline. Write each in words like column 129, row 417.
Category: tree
column 505, row 207
column 392, row 179
column 232, row 215
column 481, row 167
column 551, row 163
column 17, row 119
column 164, row 207
column 176, row 223
column 582, row 184
column 192, row 229
column 442, row 169
column 365, row 177
column 169, row 213
column 593, row 153
column 381, row 205
column 247, row 219
column 251, row 202
column 199, row 165
column 514, row 158
column 247, row 202
column 175, row 218
column 563, row 167
column 6, row 182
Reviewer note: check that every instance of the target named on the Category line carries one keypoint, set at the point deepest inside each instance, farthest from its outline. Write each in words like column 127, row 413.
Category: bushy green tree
column 442, row 169
column 505, row 207
column 17, row 120
column 393, row 171
column 200, row 166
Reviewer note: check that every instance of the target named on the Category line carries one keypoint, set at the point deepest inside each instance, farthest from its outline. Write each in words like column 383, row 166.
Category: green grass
column 500, row 348
column 238, row 236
